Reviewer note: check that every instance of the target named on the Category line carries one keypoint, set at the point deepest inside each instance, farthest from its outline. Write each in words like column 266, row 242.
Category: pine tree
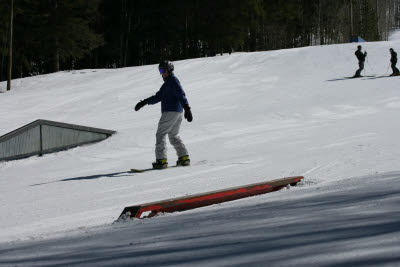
column 4, row 27
column 62, row 30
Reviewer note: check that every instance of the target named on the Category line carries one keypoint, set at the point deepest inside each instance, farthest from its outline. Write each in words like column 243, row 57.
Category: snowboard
column 151, row 169
column 169, row 167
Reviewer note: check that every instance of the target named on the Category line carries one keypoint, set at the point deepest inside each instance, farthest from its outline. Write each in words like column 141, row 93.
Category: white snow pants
column 170, row 123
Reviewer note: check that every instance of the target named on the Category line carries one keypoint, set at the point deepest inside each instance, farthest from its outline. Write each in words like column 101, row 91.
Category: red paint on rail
column 201, row 200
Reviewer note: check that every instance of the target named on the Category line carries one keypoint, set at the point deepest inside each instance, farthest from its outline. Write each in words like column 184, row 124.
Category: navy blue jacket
column 171, row 95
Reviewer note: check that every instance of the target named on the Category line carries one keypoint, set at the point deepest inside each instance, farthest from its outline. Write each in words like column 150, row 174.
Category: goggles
column 162, row 71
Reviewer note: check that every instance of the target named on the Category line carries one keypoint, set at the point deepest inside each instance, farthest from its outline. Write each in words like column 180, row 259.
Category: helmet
column 391, row 50
column 167, row 65
column 359, row 47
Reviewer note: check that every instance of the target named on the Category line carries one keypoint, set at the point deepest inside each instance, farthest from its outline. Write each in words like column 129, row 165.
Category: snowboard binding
column 183, row 161
column 160, row 164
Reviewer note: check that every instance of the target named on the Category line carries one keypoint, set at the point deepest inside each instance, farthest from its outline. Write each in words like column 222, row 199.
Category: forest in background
column 54, row 35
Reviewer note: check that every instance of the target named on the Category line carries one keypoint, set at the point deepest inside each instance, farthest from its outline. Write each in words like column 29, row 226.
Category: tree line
column 54, row 35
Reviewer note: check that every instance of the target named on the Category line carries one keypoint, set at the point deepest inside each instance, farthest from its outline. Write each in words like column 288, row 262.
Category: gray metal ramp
column 43, row 136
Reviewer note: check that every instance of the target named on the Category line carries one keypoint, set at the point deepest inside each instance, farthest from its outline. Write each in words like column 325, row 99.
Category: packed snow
column 257, row 117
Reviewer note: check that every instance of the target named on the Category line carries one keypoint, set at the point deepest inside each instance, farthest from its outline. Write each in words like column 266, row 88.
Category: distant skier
column 361, row 59
column 393, row 61
column 173, row 102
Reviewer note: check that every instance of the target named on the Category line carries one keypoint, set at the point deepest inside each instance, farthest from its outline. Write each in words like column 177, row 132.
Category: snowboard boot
column 183, row 161
column 160, row 164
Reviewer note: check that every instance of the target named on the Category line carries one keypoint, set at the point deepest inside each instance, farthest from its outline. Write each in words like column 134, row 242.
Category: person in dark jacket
column 393, row 61
column 173, row 103
column 361, row 60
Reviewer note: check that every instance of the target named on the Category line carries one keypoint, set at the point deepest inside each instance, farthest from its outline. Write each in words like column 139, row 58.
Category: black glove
column 140, row 104
column 188, row 114
column 365, row 53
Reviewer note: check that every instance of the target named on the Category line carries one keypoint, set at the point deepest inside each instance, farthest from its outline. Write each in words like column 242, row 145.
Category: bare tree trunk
column 56, row 57
column 10, row 47
column 321, row 24
column 185, row 42
column 351, row 20
column 127, row 39
column 388, row 14
column 3, row 56
column 125, row 21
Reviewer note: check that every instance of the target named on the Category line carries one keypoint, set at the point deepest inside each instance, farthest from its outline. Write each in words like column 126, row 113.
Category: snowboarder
column 173, row 103
column 361, row 59
column 393, row 61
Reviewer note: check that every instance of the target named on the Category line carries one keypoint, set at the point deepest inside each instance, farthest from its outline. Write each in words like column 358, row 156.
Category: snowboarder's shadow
column 109, row 175
column 91, row 177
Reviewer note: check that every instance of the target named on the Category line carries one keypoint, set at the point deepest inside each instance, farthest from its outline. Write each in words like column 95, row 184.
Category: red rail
column 205, row 199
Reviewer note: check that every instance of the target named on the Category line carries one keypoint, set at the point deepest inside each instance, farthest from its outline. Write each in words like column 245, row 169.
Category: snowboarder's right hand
column 140, row 104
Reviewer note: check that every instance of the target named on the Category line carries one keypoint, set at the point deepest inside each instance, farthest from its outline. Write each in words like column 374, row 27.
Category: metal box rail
column 43, row 136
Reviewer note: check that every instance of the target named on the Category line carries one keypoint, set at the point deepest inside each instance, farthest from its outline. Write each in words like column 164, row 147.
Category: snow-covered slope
column 257, row 117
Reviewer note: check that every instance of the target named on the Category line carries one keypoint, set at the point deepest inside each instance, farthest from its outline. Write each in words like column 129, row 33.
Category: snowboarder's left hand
column 140, row 104
column 188, row 114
